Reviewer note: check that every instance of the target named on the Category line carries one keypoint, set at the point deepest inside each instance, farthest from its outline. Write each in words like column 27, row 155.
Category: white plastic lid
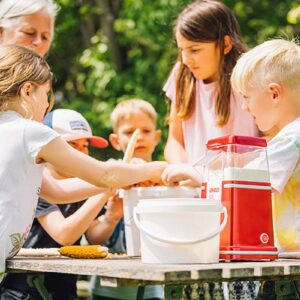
column 179, row 205
column 163, row 192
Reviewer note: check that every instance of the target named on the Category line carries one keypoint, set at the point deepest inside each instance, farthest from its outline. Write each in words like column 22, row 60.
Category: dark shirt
column 117, row 242
column 61, row 286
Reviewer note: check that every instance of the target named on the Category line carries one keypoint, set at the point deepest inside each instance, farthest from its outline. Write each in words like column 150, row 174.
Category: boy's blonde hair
column 276, row 60
column 129, row 107
column 19, row 65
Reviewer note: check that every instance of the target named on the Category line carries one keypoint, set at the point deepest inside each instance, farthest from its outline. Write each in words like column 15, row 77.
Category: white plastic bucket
column 180, row 231
column 130, row 200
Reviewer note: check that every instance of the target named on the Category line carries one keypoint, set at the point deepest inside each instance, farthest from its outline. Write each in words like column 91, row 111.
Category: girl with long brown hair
column 203, row 105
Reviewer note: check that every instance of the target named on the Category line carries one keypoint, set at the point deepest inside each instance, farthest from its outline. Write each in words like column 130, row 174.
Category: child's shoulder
column 288, row 137
column 35, row 133
column 291, row 130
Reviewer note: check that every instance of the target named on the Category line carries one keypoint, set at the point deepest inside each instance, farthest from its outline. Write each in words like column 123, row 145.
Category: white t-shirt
column 20, row 178
column 284, row 162
column 201, row 126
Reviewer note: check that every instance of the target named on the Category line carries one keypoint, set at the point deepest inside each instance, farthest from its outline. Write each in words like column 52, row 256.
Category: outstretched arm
column 67, row 190
column 102, row 174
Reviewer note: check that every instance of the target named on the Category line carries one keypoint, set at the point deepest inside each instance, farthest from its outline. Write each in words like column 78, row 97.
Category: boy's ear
column 227, row 44
column 114, row 140
column 157, row 136
column 275, row 91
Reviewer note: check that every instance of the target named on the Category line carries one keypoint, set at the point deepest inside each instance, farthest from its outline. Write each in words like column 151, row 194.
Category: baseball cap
column 71, row 125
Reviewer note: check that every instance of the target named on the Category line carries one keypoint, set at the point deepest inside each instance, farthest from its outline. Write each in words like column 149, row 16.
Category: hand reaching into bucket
column 114, row 209
column 182, row 174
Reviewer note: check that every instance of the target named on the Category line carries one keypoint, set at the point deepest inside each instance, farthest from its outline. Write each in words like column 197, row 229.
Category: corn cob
column 90, row 251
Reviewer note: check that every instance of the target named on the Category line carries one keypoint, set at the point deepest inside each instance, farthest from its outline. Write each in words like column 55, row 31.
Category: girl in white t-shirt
column 25, row 86
column 203, row 105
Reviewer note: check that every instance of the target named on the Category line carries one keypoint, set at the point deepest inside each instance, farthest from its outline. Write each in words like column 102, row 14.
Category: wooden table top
column 131, row 269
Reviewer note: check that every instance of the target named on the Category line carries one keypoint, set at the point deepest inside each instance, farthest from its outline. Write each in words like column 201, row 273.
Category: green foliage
column 94, row 70
column 263, row 19
column 293, row 16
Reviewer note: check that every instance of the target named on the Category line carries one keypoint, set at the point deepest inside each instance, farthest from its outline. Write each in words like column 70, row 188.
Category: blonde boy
column 125, row 118
column 130, row 115
column 268, row 76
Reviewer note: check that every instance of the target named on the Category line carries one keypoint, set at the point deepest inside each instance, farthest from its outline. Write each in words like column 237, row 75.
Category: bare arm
column 174, row 149
column 67, row 190
column 102, row 174
column 101, row 230
column 66, row 231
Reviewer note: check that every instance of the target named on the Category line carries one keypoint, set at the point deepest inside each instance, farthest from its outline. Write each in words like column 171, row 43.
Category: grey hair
column 11, row 10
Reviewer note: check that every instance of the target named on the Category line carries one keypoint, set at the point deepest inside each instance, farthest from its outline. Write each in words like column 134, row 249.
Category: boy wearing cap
column 60, row 225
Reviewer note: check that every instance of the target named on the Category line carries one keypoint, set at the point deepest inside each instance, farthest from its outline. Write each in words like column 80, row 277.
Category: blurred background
column 105, row 51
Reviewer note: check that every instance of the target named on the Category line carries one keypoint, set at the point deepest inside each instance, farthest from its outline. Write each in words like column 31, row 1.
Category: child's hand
column 181, row 174
column 156, row 169
column 114, row 209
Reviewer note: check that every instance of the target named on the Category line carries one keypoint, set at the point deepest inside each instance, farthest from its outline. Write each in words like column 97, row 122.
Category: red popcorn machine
column 236, row 171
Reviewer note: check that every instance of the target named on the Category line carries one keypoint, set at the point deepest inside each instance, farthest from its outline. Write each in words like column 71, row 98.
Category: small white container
column 130, row 200
column 179, row 231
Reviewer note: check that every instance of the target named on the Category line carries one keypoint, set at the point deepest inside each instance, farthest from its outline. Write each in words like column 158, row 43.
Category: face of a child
column 147, row 139
column 201, row 58
column 259, row 104
column 81, row 145
column 32, row 31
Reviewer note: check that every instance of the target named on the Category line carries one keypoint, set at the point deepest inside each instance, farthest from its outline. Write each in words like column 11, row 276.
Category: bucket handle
column 202, row 238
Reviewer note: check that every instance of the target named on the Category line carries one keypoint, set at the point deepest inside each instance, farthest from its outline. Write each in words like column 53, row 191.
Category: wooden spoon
column 131, row 145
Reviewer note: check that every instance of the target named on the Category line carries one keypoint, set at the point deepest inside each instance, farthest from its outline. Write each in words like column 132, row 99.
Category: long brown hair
column 207, row 21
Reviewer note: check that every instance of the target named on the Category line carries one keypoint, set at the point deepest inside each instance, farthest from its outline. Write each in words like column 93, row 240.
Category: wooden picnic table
column 131, row 271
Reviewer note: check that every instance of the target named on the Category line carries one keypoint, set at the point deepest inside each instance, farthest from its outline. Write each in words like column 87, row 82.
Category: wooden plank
column 209, row 274
column 126, row 270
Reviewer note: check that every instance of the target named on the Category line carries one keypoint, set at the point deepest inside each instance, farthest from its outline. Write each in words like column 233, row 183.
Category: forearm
column 118, row 175
column 101, row 231
column 102, row 174
column 68, row 190
column 174, row 149
column 66, row 231
column 174, row 152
